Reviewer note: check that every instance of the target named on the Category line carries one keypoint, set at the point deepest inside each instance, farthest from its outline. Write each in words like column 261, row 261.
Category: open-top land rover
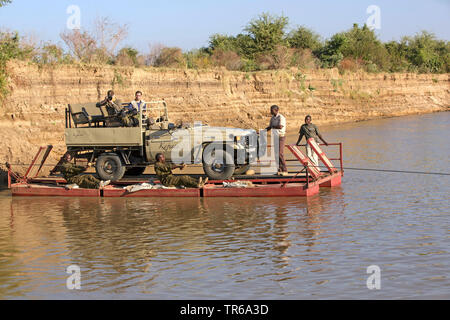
column 117, row 150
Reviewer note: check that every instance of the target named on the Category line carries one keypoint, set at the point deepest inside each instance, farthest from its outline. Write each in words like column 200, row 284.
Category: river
column 288, row 248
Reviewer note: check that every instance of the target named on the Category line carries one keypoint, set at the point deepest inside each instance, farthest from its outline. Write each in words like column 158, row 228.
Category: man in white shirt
column 278, row 125
column 137, row 103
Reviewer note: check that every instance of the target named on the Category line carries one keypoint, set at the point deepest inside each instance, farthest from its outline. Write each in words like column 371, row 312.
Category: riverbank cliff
column 32, row 114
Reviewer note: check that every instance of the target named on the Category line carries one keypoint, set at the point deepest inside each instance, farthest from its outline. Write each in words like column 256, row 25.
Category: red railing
column 340, row 159
column 341, row 155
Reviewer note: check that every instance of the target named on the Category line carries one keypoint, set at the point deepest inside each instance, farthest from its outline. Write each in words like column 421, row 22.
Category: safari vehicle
column 117, row 151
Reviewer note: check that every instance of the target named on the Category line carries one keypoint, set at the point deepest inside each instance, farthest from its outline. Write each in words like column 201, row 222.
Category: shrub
column 98, row 45
column 304, row 58
column 171, row 57
column 228, row 59
column 350, row 64
column 198, row 59
column 11, row 47
column 51, row 54
column 127, row 57
column 398, row 55
column 154, row 53
column 362, row 43
column 330, row 54
column 81, row 44
column 371, row 67
column 428, row 54
column 249, row 65
column 279, row 58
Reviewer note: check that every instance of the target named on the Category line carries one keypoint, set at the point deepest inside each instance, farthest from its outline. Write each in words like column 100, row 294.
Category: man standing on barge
column 278, row 125
column 310, row 130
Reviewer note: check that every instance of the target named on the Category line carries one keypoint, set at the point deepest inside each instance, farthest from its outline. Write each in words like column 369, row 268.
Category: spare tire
column 110, row 167
column 217, row 163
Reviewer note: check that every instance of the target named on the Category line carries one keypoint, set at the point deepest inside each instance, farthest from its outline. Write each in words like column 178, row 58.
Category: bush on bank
column 264, row 44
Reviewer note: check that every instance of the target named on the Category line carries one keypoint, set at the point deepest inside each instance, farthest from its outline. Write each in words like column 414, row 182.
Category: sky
column 188, row 24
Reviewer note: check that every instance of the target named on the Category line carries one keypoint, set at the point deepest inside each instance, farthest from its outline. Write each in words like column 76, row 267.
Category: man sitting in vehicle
column 138, row 103
column 164, row 172
column 73, row 174
column 135, row 107
column 124, row 115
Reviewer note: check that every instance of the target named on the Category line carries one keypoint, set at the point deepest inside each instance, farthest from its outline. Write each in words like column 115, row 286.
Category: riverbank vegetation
column 265, row 43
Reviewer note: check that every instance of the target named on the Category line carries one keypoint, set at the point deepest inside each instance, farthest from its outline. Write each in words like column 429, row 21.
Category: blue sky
column 188, row 24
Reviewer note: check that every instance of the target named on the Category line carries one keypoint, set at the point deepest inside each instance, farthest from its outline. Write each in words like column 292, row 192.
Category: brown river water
column 253, row 248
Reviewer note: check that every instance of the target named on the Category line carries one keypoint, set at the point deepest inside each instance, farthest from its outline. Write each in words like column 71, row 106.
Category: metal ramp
column 313, row 170
column 322, row 156
column 34, row 169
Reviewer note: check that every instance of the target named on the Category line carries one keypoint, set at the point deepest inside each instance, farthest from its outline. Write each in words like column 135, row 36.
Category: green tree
column 427, row 53
column 398, row 55
column 304, row 38
column 331, row 53
column 362, row 43
column 223, row 47
column 222, row 42
column 266, row 32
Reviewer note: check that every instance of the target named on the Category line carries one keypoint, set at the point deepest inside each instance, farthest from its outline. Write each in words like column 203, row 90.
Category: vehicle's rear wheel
column 136, row 171
column 240, row 170
column 110, row 167
column 218, row 164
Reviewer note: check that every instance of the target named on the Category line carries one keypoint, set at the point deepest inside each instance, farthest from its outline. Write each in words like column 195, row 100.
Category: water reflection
column 256, row 248
column 119, row 243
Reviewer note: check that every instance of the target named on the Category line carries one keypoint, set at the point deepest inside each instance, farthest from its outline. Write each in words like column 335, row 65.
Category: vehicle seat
column 86, row 114
column 79, row 118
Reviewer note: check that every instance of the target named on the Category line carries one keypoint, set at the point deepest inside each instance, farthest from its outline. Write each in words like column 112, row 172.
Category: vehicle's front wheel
column 109, row 167
column 218, row 164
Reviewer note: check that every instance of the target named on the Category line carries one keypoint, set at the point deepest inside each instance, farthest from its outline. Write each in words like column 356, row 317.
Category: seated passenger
column 135, row 107
column 164, row 172
column 124, row 115
column 138, row 103
column 112, row 107
column 73, row 175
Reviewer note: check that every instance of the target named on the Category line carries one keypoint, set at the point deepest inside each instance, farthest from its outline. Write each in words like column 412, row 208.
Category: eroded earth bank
column 33, row 113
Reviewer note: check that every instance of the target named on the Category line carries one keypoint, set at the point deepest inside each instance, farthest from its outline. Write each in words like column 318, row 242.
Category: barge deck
column 305, row 183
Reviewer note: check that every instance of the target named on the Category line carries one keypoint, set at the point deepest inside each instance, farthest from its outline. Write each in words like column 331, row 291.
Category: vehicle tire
column 135, row 171
column 241, row 170
column 218, row 164
column 110, row 167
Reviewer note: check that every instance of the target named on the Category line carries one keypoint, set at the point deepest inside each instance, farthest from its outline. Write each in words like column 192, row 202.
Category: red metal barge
column 305, row 183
